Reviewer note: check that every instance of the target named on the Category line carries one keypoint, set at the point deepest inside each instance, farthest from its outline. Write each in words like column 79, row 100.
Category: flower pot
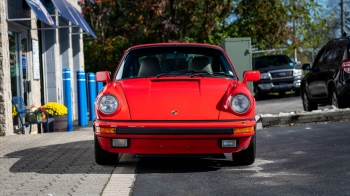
column 31, row 117
column 61, row 123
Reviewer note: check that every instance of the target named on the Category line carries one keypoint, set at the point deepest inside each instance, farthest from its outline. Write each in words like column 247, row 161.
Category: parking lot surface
column 307, row 159
column 274, row 104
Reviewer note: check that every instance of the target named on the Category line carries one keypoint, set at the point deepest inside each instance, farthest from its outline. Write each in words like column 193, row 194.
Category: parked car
column 278, row 73
column 328, row 80
column 175, row 99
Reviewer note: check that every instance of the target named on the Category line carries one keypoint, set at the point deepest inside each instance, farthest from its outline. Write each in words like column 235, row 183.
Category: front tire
column 103, row 157
column 307, row 103
column 247, row 156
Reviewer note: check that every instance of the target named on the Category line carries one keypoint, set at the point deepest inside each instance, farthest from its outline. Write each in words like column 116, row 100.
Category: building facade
column 33, row 52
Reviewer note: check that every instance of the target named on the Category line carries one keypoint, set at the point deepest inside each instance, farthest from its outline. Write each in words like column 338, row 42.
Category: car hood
column 175, row 98
column 273, row 68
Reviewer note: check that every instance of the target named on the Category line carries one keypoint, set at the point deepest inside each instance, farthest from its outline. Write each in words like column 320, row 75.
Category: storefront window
column 14, row 67
column 26, row 88
column 14, row 64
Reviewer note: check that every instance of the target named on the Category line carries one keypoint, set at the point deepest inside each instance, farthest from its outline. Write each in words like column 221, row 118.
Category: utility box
column 239, row 51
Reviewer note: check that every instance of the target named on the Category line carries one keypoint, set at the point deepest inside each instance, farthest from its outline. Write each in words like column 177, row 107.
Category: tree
column 264, row 21
column 309, row 20
column 120, row 24
column 270, row 23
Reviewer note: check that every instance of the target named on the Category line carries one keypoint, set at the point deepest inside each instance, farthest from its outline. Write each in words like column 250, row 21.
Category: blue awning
column 82, row 22
column 73, row 15
column 41, row 12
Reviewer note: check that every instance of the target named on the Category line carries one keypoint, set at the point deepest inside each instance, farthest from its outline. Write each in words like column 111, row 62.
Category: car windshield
column 272, row 61
column 164, row 61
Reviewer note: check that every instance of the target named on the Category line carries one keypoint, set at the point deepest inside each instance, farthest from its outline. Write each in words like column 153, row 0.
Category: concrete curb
column 122, row 178
column 334, row 114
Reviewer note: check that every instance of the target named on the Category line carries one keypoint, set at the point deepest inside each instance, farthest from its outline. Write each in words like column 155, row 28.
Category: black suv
column 328, row 80
column 278, row 73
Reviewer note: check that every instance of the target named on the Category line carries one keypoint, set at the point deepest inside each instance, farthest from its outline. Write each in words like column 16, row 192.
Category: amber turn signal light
column 244, row 129
column 105, row 130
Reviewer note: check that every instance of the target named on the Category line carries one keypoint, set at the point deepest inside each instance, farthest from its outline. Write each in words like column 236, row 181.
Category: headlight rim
column 117, row 108
column 248, row 98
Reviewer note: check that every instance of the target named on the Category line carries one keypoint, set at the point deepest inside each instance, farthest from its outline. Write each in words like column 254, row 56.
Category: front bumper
column 166, row 139
column 276, row 86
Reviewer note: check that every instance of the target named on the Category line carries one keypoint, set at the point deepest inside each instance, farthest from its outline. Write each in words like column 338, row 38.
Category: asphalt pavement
column 310, row 159
column 274, row 104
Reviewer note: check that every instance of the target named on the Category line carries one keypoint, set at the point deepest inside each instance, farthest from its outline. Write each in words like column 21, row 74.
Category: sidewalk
column 59, row 163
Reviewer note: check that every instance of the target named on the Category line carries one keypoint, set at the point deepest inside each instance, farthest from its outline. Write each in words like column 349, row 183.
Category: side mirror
column 251, row 76
column 103, row 76
column 306, row 66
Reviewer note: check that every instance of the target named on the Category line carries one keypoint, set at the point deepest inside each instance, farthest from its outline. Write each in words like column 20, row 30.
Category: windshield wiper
column 185, row 71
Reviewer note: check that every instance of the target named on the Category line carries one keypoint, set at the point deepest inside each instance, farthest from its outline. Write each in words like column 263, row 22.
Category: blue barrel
column 99, row 87
column 82, row 102
column 92, row 94
column 67, row 97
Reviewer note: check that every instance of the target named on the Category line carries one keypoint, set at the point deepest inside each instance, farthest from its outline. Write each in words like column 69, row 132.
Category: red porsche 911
column 175, row 99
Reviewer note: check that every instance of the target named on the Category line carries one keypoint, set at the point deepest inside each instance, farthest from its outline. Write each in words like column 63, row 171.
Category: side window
column 338, row 52
column 319, row 59
column 130, row 69
column 328, row 54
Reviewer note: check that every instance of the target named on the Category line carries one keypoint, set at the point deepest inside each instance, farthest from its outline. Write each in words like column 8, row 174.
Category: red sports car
column 175, row 99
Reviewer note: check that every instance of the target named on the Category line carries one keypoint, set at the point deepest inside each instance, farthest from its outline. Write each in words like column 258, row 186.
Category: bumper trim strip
column 174, row 131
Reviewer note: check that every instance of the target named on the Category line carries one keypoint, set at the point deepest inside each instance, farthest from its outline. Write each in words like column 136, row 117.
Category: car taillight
column 346, row 66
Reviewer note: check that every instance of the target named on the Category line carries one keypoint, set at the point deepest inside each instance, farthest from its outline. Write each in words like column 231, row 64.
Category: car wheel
column 247, row 156
column 297, row 92
column 335, row 99
column 103, row 157
column 307, row 103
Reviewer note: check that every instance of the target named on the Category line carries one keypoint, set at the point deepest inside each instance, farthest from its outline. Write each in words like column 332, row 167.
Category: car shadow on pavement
column 275, row 96
column 67, row 158
column 181, row 165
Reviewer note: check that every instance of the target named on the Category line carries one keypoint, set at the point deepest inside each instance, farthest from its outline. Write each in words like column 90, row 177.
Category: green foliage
column 276, row 23
column 266, row 22
column 310, row 23
column 120, row 24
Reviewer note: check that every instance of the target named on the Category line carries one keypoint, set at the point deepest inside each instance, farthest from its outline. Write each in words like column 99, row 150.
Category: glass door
column 20, row 85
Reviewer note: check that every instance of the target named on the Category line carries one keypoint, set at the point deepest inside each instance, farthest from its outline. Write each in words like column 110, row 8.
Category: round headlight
column 240, row 103
column 108, row 104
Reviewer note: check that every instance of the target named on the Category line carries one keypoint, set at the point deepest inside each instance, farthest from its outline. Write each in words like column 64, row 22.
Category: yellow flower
column 14, row 112
column 55, row 109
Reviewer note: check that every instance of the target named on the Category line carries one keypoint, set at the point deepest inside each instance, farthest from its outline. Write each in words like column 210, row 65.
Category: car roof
column 175, row 44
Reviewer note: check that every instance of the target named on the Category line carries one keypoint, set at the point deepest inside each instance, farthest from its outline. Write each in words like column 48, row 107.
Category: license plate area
column 284, row 85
